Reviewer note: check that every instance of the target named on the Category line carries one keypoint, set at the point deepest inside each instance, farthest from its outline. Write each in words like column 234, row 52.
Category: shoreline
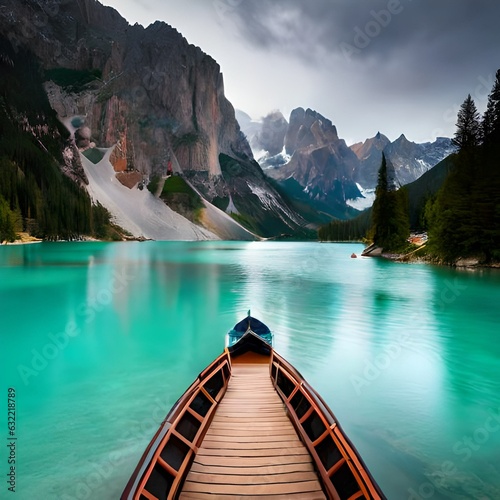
column 412, row 257
column 22, row 239
column 25, row 239
column 17, row 243
column 470, row 263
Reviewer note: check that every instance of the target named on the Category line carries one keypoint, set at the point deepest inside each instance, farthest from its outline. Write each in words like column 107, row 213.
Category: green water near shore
column 99, row 340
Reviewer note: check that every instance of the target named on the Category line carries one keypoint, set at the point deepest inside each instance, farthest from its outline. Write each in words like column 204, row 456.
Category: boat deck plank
column 258, row 470
column 216, row 461
column 239, row 432
column 293, row 496
column 258, row 428
column 265, row 487
column 251, row 449
column 245, row 438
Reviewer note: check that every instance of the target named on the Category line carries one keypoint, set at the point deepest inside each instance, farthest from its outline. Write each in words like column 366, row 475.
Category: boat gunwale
column 149, row 458
column 368, row 485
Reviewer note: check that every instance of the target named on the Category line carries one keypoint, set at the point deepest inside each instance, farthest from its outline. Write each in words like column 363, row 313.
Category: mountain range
column 307, row 157
column 140, row 105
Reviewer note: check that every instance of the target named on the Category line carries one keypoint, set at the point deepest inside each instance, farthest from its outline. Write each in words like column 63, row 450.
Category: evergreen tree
column 7, row 232
column 464, row 221
column 468, row 134
column 39, row 197
column 452, row 220
column 346, row 230
column 382, row 181
column 486, row 196
column 487, row 123
column 100, row 221
column 380, row 212
column 491, row 118
column 390, row 218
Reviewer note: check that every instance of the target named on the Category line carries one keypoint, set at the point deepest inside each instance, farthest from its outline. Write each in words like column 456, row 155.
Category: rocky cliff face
column 319, row 161
column 164, row 95
column 146, row 89
column 35, row 151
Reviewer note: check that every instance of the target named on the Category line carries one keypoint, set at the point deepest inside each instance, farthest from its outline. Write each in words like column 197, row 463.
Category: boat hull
column 170, row 466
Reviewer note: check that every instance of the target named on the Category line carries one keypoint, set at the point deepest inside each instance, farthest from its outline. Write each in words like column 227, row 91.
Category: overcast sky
column 394, row 66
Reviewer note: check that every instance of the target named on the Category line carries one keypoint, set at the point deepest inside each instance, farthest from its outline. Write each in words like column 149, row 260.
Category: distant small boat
column 250, row 426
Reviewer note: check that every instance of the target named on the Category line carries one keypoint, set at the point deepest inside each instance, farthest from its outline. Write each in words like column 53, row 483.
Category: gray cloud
column 398, row 51
column 373, row 28
column 390, row 65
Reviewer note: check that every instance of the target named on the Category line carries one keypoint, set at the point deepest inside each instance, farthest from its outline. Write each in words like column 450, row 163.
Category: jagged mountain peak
column 370, row 150
column 308, row 128
column 402, row 140
column 266, row 135
column 92, row 12
column 164, row 35
column 379, row 140
column 440, row 141
column 309, row 116
column 381, row 137
column 316, row 161
column 163, row 31
column 243, row 117
column 275, row 114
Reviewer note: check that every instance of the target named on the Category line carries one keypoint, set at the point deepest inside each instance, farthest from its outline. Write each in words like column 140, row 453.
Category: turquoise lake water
column 98, row 340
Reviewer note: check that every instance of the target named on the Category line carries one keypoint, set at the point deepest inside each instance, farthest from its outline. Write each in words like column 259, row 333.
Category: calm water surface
column 99, row 340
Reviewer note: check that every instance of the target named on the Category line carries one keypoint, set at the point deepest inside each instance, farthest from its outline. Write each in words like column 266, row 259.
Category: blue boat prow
column 250, row 324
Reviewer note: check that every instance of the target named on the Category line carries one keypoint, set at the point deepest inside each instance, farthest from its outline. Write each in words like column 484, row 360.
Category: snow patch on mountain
column 364, row 202
column 135, row 210
column 266, row 161
column 425, row 166
column 270, row 202
column 260, row 155
column 265, row 197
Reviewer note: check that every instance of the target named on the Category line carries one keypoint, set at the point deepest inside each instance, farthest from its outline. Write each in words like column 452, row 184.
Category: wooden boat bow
column 251, row 426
